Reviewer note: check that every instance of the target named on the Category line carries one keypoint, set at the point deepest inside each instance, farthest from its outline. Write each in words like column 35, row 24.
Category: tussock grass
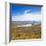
column 33, row 32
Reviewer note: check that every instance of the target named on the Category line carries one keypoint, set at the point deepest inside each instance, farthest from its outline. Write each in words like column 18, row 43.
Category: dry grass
column 33, row 32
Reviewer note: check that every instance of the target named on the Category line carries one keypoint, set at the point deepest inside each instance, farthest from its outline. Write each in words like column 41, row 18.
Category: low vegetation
column 33, row 32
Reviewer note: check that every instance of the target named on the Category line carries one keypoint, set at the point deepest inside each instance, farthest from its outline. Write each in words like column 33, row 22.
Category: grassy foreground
column 33, row 32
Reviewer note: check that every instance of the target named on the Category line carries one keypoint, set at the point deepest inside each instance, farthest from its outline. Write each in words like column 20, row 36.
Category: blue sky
column 24, row 12
column 20, row 9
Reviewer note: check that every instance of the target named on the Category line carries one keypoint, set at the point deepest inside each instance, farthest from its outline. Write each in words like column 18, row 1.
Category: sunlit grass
column 33, row 32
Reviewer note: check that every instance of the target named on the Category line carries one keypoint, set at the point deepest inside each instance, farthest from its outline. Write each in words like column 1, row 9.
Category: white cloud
column 27, row 11
column 27, row 17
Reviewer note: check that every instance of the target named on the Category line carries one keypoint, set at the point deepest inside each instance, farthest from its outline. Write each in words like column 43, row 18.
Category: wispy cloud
column 27, row 16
